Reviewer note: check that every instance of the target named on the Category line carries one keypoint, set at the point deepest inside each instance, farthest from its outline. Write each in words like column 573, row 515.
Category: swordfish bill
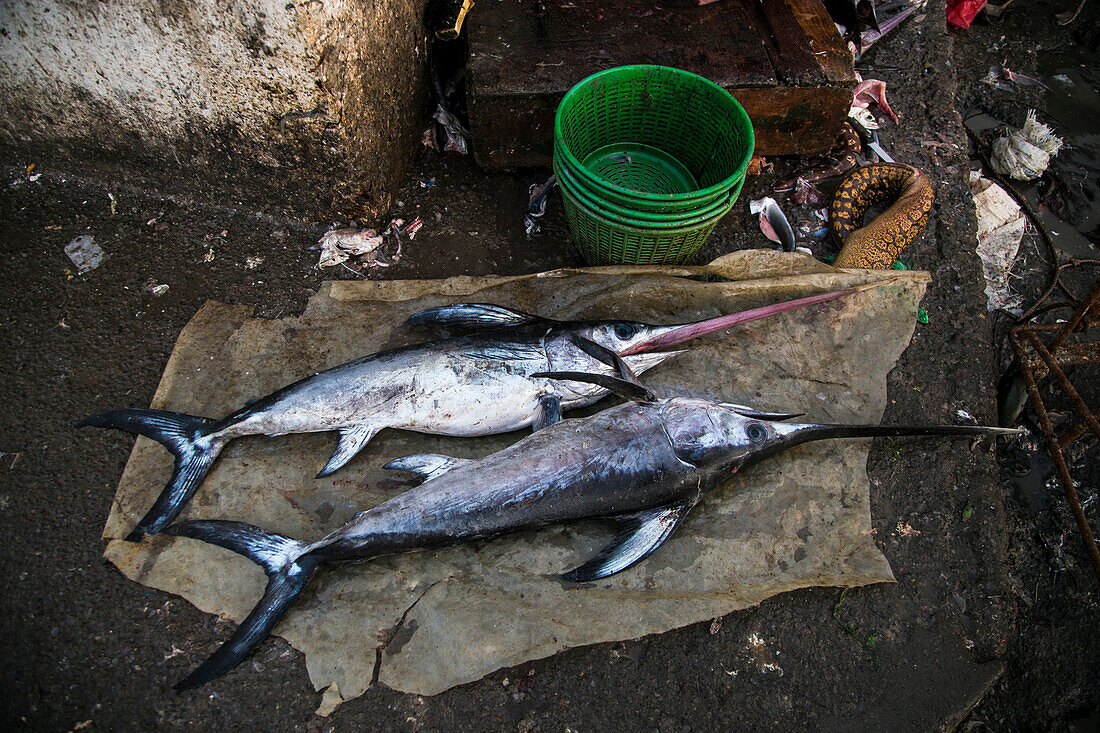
column 643, row 465
column 469, row 385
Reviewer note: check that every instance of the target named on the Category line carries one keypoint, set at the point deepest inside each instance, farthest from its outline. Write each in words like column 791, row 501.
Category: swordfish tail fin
column 186, row 437
column 287, row 574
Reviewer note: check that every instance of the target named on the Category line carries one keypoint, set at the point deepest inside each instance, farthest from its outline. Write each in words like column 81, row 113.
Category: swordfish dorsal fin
column 639, row 535
column 470, row 315
column 352, row 441
column 428, row 465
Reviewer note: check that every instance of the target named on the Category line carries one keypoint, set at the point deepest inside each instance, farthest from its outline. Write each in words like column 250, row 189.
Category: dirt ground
column 992, row 622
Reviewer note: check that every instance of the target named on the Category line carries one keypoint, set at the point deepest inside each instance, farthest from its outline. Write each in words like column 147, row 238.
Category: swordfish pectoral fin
column 606, row 356
column 470, row 315
column 626, row 390
column 352, row 441
column 428, row 465
column 639, row 536
column 549, row 412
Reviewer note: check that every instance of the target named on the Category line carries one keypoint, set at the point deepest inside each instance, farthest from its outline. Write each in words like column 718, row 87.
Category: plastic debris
column 1001, row 226
column 153, row 288
column 1025, row 154
column 449, row 135
column 337, row 245
column 961, row 13
column 85, row 253
column 536, row 205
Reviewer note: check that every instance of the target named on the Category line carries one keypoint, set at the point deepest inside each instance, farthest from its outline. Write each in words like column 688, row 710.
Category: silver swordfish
column 643, row 464
column 478, row 384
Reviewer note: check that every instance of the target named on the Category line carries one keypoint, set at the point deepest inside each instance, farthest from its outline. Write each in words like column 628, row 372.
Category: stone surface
column 305, row 107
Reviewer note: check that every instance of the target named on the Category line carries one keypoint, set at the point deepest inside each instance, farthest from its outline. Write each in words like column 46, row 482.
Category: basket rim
column 575, row 165
column 660, row 206
column 659, row 220
column 643, row 231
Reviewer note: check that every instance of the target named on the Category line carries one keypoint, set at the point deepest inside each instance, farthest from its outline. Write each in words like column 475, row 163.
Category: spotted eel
column 875, row 246
column 845, row 150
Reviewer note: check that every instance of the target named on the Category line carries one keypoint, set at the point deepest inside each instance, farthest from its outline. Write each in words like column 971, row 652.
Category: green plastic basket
column 648, row 160
column 642, row 134
column 603, row 241
column 643, row 219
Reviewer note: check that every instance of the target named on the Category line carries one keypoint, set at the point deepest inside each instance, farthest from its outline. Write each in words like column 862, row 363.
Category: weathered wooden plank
column 788, row 46
column 828, row 47
column 545, row 47
column 789, row 120
column 775, row 56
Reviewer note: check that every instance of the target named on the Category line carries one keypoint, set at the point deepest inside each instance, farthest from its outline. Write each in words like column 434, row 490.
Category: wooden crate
column 782, row 59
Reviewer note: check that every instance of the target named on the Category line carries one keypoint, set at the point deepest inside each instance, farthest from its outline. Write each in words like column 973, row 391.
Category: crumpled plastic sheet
column 1001, row 226
column 446, row 617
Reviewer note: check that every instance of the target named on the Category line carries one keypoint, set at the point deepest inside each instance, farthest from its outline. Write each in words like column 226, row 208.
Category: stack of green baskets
column 648, row 159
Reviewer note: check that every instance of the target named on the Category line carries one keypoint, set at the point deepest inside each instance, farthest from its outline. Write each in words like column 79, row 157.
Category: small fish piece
column 871, row 91
column 477, row 384
column 538, row 195
column 773, row 222
column 643, row 465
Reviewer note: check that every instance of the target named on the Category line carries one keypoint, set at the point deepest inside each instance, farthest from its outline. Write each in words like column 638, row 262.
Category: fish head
column 712, row 434
column 621, row 336
column 566, row 352
column 727, row 437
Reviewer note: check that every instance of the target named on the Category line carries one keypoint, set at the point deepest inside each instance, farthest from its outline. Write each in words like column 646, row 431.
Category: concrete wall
column 312, row 107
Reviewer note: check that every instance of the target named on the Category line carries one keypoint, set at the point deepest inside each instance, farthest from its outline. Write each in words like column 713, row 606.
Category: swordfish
column 477, row 384
column 643, row 464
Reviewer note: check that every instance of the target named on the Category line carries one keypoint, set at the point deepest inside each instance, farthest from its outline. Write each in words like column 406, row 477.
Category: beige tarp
column 451, row 616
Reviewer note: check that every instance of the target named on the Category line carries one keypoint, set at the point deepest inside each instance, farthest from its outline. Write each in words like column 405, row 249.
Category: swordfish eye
column 756, row 432
column 624, row 331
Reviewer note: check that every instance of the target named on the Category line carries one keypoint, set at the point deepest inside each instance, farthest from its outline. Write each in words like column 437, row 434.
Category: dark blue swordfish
column 643, row 464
